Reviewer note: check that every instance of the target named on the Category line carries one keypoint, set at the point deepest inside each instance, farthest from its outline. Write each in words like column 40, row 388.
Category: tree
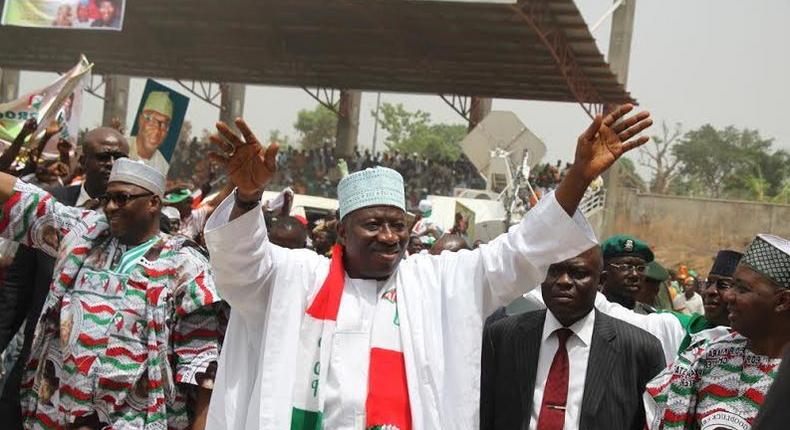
column 730, row 163
column 317, row 128
column 660, row 159
column 412, row 132
column 400, row 124
column 277, row 136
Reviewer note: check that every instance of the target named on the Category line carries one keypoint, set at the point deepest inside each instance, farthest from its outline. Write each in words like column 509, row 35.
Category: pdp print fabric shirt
column 126, row 334
column 711, row 385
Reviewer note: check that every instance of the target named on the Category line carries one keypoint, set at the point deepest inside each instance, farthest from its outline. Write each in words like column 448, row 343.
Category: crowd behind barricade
column 118, row 291
column 314, row 172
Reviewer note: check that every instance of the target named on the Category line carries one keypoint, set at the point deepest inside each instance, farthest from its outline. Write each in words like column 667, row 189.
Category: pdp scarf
column 387, row 405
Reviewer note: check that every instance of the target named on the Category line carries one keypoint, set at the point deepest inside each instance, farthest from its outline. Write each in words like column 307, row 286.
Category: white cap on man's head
column 140, row 174
column 425, row 205
column 379, row 186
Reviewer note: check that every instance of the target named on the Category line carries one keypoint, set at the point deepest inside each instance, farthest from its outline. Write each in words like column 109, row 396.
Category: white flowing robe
column 442, row 304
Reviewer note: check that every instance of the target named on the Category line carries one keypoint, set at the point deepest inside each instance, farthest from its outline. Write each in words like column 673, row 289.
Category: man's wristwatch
column 246, row 205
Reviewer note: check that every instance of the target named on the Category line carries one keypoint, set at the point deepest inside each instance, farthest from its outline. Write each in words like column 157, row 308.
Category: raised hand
column 53, row 129
column 250, row 166
column 606, row 140
column 29, row 127
column 598, row 148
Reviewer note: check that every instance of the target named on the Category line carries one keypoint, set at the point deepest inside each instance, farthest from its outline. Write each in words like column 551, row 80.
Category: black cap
column 726, row 261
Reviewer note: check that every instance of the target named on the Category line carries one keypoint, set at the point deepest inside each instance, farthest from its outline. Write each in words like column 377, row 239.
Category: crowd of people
column 315, row 172
column 138, row 304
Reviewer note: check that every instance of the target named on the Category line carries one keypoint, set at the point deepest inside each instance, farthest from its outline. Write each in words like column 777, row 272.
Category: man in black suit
column 28, row 278
column 568, row 367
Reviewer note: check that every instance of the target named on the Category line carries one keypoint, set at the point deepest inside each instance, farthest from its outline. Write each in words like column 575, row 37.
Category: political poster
column 60, row 102
column 67, row 14
column 157, row 125
column 467, row 225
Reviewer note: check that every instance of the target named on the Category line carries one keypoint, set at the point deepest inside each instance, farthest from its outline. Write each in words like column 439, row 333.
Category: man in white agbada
column 369, row 340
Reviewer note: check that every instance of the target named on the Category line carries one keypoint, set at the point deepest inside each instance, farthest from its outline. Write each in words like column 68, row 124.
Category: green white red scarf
column 387, row 405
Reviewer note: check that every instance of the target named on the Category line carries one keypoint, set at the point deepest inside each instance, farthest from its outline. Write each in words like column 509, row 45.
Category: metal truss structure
column 326, row 97
column 537, row 14
column 94, row 85
column 462, row 105
column 209, row 92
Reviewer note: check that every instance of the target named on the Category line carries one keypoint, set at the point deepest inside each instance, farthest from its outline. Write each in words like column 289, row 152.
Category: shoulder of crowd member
column 194, row 285
column 503, row 328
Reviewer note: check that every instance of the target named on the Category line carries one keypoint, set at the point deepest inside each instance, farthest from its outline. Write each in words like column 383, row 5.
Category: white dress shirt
column 688, row 306
column 578, row 347
column 83, row 197
column 664, row 326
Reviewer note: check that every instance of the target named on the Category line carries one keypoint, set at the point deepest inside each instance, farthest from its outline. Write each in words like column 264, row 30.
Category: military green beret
column 656, row 272
column 623, row 245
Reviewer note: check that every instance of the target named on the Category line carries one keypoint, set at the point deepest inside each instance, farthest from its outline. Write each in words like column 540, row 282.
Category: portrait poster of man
column 77, row 14
column 157, row 125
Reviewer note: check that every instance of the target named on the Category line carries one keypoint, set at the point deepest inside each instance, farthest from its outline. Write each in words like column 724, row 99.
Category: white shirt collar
column 583, row 329
column 84, row 197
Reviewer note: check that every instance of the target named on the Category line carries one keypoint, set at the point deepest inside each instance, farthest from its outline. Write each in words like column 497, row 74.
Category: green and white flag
column 60, row 101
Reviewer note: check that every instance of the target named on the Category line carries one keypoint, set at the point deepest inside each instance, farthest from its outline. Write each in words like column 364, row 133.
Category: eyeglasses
column 629, row 267
column 121, row 198
column 162, row 125
column 104, row 157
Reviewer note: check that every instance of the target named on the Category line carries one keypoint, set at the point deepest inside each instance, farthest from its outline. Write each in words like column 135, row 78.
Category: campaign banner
column 77, row 14
column 157, row 125
column 61, row 102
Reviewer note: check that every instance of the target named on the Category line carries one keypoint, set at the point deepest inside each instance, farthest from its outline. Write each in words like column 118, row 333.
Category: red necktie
column 555, row 394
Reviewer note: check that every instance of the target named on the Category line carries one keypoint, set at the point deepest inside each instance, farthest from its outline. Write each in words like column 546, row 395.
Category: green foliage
column 412, row 132
column 283, row 140
column 317, row 128
column 783, row 196
column 730, row 163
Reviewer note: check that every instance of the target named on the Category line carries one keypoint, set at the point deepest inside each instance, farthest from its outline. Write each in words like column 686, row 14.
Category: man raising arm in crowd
column 368, row 339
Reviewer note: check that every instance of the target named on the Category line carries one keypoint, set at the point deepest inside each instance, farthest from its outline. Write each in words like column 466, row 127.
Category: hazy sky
column 724, row 62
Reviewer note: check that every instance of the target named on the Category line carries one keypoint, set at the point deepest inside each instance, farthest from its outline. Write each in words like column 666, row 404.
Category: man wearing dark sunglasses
column 132, row 324
column 28, row 279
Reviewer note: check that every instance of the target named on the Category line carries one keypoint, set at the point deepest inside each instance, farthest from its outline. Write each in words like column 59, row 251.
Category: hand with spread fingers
column 606, row 140
column 250, row 166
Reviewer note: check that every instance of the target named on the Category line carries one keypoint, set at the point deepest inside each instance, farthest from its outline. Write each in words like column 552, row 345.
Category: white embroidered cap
column 378, row 186
column 138, row 173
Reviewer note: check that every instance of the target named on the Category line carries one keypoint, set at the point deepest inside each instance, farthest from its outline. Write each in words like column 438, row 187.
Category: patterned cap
column 171, row 213
column 138, row 173
column 378, row 186
column 623, row 245
column 770, row 256
column 726, row 262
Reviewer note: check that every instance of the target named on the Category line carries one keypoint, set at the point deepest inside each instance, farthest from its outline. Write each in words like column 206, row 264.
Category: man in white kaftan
column 442, row 301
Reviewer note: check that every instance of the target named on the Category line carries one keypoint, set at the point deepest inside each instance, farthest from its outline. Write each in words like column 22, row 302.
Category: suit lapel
column 603, row 355
column 527, row 347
